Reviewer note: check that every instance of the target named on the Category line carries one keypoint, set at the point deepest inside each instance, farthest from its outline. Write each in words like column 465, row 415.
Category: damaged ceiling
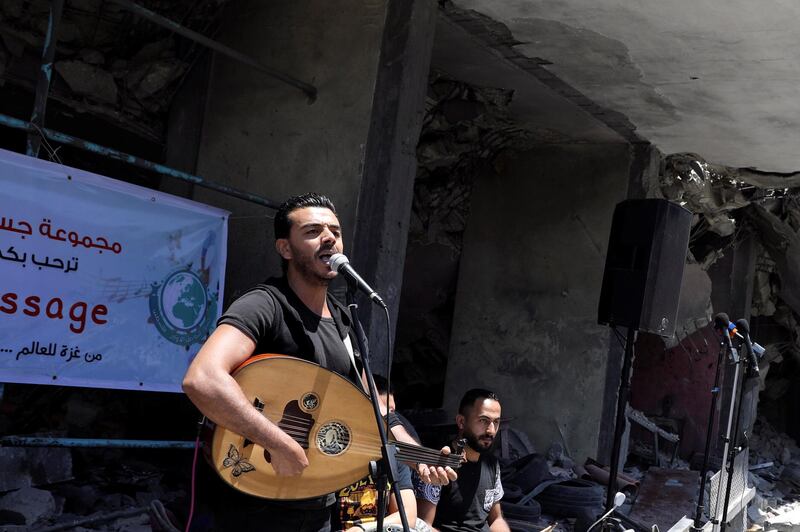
column 109, row 63
column 716, row 79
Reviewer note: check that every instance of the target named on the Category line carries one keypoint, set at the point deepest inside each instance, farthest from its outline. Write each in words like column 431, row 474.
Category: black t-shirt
column 278, row 322
column 465, row 503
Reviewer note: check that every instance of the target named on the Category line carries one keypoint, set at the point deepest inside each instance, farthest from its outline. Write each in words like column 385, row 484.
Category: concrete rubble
column 775, row 473
column 109, row 491
column 109, row 63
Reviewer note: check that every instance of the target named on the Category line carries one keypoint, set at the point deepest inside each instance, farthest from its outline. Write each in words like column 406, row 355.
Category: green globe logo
column 181, row 308
column 183, row 300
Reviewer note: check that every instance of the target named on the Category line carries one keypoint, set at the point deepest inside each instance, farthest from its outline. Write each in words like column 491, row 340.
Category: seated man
column 471, row 503
column 358, row 504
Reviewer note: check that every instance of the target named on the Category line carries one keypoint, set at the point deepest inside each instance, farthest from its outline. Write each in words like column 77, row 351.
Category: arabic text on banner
column 103, row 284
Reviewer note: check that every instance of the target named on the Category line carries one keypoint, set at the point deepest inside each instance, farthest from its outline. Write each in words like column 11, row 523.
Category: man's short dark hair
column 282, row 223
column 473, row 395
column 311, row 199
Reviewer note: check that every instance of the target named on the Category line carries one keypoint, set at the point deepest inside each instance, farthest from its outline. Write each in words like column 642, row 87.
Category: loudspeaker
column 644, row 265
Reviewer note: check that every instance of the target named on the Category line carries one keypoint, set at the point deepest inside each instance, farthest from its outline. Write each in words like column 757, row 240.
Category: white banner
column 103, row 284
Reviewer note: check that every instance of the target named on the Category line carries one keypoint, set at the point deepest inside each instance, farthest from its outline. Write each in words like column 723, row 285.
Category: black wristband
column 392, row 419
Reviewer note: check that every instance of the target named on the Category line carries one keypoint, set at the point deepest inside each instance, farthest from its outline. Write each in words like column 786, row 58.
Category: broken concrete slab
column 152, row 51
column 14, row 466
column 88, row 80
column 23, row 467
column 32, row 504
column 135, row 523
column 151, row 78
column 92, row 57
column 48, row 465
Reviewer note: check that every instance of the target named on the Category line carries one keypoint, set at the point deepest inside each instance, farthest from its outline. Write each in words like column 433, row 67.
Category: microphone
column 341, row 264
column 722, row 323
column 745, row 328
column 733, row 329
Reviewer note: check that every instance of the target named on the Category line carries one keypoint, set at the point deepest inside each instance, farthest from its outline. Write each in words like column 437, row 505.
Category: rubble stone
column 81, row 499
column 761, row 484
column 14, row 467
column 93, row 57
column 136, row 523
column 788, row 520
column 152, row 51
column 88, row 80
column 48, row 465
column 32, row 503
column 756, row 515
column 786, row 455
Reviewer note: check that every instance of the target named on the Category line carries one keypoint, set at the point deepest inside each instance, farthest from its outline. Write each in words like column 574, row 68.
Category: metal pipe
column 136, row 161
column 155, row 18
column 43, row 441
column 45, row 75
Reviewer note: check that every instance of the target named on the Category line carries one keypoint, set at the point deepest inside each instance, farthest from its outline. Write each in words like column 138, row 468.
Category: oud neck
column 414, row 453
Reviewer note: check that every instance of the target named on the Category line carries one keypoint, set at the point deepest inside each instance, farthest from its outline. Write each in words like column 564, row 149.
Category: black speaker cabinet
column 644, row 265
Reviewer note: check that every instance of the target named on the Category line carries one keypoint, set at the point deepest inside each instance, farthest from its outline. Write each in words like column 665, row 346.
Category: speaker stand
column 622, row 403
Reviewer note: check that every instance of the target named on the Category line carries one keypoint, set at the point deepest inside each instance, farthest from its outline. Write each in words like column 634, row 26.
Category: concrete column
column 266, row 137
column 387, row 183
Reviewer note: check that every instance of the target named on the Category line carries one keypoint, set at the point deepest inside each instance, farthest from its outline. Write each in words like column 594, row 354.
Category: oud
column 331, row 419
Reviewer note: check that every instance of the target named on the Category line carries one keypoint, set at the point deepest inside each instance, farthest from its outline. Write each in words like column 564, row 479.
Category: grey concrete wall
column 267, row 138
column 525, row 322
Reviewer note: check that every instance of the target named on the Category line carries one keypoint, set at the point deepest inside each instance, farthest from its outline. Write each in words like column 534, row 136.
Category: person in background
column 472, row 502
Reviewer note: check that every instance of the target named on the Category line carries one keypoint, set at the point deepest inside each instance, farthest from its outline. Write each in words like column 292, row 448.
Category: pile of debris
column 109, row 62
column 775, row 473
column 90, row 489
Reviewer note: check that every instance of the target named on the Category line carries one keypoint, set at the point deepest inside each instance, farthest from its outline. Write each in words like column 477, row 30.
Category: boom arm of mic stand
column 388, row 466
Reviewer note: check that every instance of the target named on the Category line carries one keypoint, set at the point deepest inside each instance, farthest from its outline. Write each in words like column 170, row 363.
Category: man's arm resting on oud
column 209, row 385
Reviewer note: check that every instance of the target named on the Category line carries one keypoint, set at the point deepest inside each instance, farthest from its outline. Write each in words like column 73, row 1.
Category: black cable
column 389, row 355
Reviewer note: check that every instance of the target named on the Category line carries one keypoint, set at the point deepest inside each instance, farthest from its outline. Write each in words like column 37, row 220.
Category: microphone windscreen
column 743, row 326
column 338, row 260
column 721, row 321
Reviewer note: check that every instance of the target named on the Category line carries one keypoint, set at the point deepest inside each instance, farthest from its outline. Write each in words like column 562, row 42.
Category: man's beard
column 476, row 445
column 305, row 267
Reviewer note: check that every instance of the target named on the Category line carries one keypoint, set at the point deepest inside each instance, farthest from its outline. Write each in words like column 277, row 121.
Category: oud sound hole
column 333, row 438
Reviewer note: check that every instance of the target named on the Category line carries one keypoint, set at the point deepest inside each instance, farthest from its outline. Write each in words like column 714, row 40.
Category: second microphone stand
column 384, row 471
column 737, row 402
column 725, row 348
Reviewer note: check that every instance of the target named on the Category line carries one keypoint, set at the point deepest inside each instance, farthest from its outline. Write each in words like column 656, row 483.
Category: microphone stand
column 619, row 427
column 385, row 469
column 729, row 452
column 736, row 448
column 725, row 347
